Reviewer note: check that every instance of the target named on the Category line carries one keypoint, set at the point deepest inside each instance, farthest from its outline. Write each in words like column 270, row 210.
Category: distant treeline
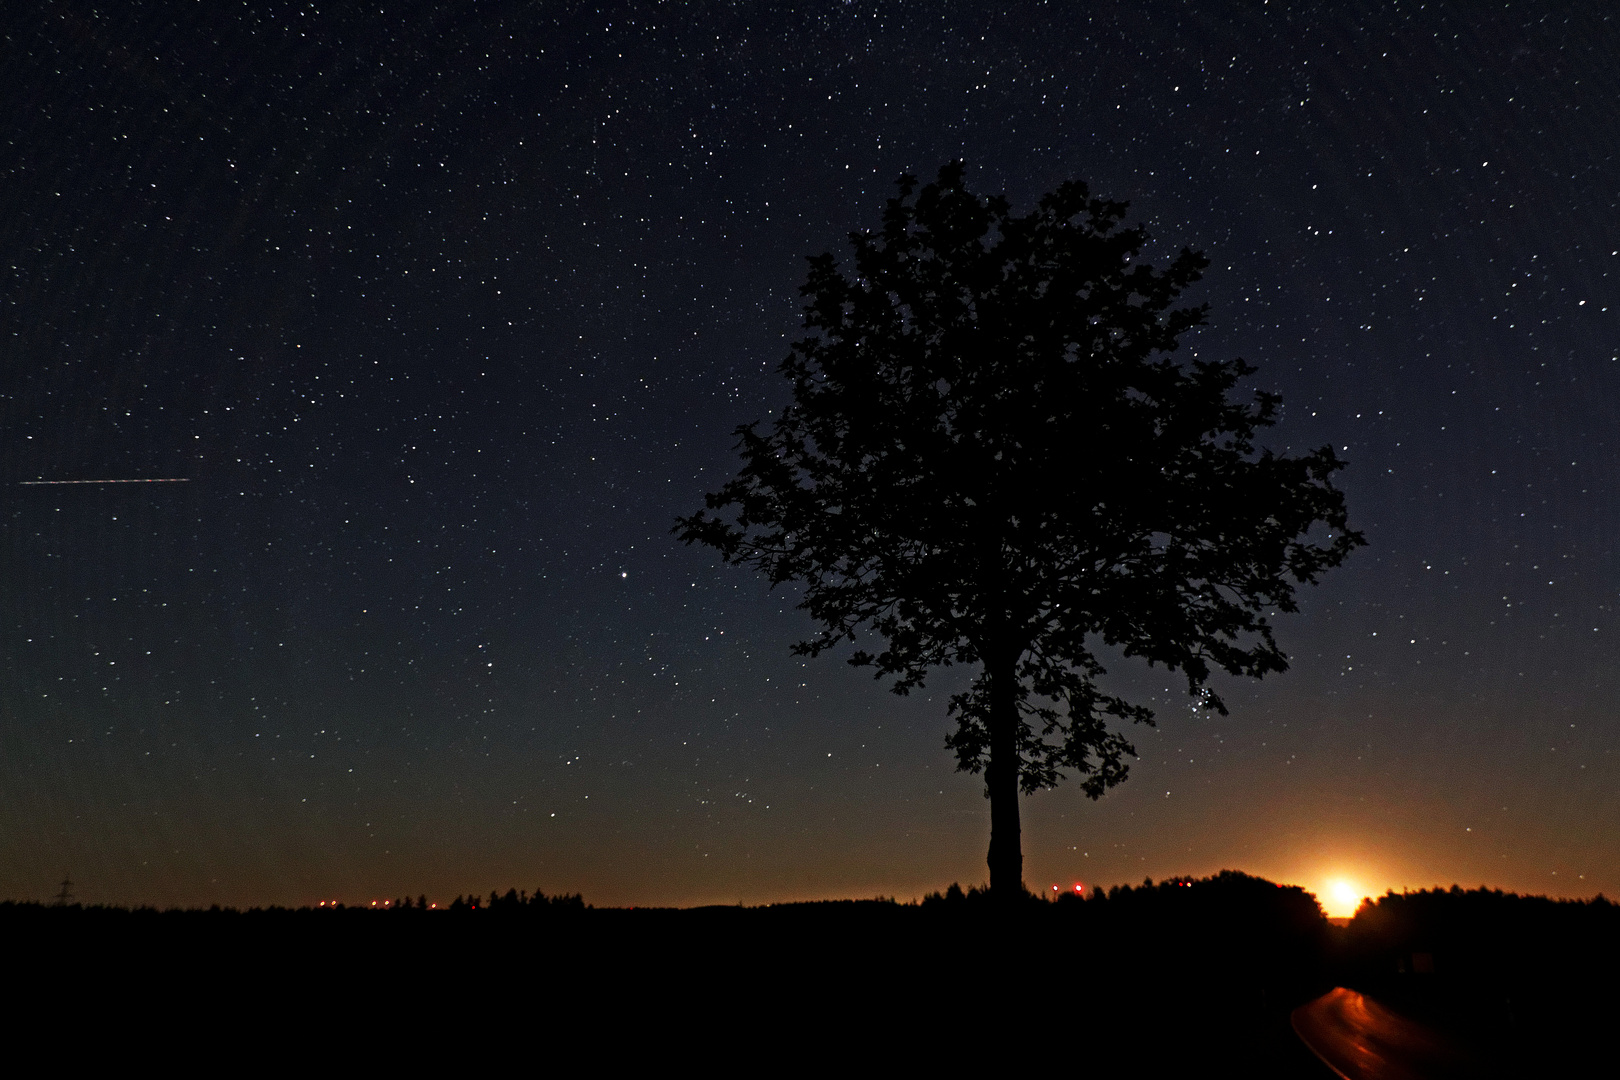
column 1165, row 969
column 1441, row 922
column 1470, row 924
column 513, row 900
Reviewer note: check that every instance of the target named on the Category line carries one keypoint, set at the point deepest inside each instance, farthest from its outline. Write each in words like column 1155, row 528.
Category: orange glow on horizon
column 1341, row 898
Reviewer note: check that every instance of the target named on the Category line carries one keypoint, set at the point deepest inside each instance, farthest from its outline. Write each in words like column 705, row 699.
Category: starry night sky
column 445, row 312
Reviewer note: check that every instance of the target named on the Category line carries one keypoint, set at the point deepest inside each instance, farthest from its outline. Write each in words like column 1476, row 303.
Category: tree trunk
column 1001, row 777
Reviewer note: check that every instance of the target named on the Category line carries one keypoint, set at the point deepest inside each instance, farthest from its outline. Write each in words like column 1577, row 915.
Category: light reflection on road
column 1361, row 1040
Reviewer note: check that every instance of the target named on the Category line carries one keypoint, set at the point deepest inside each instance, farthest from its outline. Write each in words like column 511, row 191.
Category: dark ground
column 1183, row 977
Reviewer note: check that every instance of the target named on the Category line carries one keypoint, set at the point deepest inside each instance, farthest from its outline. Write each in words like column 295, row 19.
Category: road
column 1359, row 1039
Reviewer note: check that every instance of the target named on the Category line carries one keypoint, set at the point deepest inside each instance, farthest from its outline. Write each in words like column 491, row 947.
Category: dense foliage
column 993, row 456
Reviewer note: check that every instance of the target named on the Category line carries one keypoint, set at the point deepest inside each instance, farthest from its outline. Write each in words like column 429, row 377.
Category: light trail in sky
column 140, row 480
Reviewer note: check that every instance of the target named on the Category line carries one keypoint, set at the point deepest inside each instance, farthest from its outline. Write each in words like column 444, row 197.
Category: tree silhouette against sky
column 992, row 457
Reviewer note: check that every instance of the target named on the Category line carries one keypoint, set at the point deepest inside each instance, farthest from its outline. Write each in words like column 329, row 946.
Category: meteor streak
column 139, row 480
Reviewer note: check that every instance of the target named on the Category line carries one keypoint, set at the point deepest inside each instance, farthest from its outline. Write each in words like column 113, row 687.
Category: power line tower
column 65, row 896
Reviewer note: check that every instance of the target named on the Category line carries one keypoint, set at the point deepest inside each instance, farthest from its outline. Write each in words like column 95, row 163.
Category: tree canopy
column 993, row 456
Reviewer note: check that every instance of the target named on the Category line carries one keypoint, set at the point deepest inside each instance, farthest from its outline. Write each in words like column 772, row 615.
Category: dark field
column 1180, row 978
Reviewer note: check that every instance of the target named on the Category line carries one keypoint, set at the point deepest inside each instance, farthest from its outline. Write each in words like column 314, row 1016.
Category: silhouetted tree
column 991, row 457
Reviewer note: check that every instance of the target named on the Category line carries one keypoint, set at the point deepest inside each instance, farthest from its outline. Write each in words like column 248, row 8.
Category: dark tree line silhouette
column 1160, row 972
column 515, row 901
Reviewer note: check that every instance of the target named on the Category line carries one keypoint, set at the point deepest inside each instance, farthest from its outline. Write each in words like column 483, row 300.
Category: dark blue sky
column 445, row 314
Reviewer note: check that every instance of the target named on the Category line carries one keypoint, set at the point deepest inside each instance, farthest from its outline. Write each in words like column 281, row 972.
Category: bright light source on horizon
column 1342, row 898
